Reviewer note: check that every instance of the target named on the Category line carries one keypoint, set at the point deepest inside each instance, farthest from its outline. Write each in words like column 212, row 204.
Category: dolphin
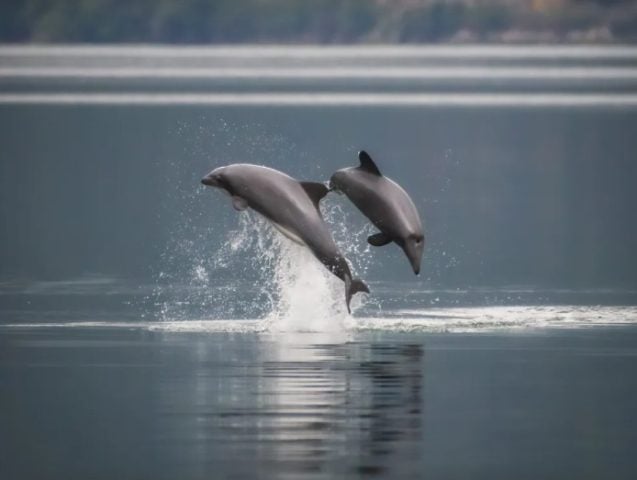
column 292, row 207
column 386, row 204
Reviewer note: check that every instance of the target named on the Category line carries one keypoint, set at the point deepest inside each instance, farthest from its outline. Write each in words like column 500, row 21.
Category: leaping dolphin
column 292, row 207
column 386, row 204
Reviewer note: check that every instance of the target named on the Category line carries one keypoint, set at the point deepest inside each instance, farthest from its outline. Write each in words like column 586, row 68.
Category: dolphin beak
column 209, row 181
column 414, row 254
column 415, row 265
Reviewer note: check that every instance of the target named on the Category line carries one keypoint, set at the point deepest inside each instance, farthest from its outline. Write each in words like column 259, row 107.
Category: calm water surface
column 125, row 403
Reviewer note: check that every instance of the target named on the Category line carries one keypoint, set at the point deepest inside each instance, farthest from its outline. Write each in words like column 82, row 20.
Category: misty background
column 520, row 158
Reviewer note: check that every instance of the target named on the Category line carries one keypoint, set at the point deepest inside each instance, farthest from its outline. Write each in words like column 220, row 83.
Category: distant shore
column 320, row 22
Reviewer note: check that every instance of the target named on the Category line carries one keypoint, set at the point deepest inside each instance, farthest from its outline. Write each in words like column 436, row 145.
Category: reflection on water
column 118, row 403
column 305, row 404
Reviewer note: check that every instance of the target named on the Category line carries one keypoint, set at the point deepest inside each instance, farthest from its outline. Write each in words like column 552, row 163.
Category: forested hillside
column 318, row 21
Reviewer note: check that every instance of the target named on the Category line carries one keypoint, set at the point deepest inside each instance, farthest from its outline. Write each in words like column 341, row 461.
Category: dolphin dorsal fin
column 367, row 163
column 315, row 190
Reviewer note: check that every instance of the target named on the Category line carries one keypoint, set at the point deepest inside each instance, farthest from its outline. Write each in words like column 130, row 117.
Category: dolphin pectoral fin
column 367, row 163
column 239, row 203
column 316, row 191
column 378, row 239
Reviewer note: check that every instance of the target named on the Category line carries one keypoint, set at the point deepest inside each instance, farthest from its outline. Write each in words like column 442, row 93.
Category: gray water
column 119, row 403
column 147, row 330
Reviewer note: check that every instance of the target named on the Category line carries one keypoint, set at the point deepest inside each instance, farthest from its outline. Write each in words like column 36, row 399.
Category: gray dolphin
column 292, row 207
column 386, row 204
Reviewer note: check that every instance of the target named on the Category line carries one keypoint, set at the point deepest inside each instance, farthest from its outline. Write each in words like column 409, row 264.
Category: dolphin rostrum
column 386, row 204
column 292, row 207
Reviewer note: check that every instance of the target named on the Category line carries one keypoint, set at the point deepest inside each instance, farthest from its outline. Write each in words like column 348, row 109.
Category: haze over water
column 147, row 330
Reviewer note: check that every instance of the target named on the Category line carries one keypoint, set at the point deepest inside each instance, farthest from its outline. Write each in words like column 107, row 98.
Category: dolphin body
column 386, row 204
column 292, row 207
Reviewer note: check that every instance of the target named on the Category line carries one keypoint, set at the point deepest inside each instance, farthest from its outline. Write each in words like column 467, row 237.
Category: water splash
column 307, row 296
column 303, row 295
column 258, row 273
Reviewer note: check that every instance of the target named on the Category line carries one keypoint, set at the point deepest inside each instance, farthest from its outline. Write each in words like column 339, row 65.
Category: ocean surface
column 150, row 331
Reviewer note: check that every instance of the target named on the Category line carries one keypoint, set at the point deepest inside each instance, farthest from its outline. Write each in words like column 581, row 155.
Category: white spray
column 258, row 274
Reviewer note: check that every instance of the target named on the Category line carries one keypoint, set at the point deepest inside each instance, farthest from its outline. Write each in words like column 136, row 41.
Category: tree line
column 317, row 21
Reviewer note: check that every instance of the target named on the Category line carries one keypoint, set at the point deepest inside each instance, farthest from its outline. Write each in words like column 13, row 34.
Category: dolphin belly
column 289, row 234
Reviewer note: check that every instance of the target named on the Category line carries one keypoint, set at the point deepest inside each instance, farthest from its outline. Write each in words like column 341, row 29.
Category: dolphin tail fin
column 352, row 286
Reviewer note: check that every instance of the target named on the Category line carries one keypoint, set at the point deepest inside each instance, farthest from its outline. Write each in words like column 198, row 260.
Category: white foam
column 473, row 319
column 313, row 319
column 310, row 298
